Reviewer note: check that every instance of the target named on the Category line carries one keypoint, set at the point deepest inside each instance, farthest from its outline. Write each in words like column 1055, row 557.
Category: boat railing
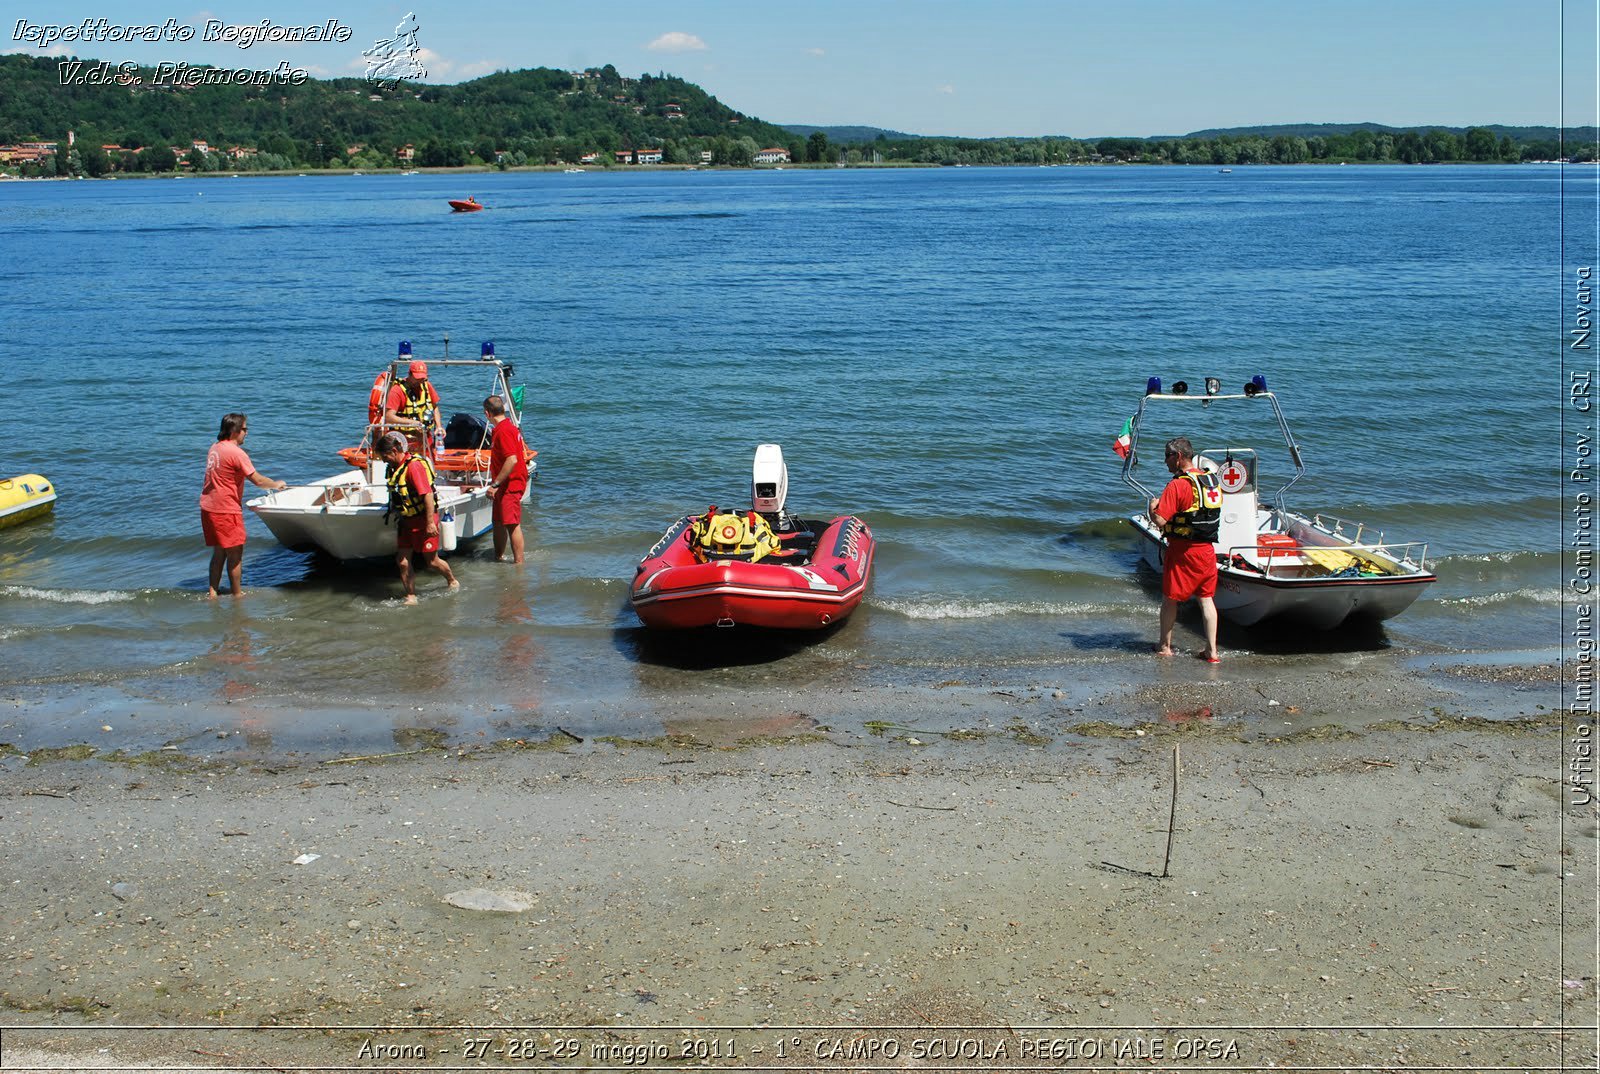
column 1267, row 556
column 1350, row 534
column 1409, row 554
column 478, row 475
column 1341, row 528
column 1267, row 559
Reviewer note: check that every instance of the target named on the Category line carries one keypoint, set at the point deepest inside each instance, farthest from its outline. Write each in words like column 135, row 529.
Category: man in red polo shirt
column 508, row 478
column 1187, row 513
column 222, row 501
column 413, row 408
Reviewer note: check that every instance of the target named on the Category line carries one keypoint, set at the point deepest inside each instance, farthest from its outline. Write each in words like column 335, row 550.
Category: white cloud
column 815, row 52
column 439, row 69
column 437, row 66
column 947, row 88
column 677, row 41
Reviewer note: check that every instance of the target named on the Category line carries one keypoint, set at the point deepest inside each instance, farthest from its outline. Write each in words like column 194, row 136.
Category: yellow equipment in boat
column 733, row 536
column 1334, row 560
column 24, row 497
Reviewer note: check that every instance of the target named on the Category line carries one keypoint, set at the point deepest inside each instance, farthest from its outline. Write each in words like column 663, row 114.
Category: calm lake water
column 948, row 353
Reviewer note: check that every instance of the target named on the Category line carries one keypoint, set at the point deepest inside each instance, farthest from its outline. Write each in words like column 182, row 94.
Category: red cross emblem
column 1233, row 477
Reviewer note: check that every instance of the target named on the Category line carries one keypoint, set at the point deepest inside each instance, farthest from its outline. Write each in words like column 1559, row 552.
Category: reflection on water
column 521, row 657
column 234, row 655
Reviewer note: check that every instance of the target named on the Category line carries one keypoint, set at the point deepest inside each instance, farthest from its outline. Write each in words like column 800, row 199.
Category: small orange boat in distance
column 471, row 205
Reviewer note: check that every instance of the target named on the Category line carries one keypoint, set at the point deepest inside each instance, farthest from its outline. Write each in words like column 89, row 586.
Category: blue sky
column 1081, row 68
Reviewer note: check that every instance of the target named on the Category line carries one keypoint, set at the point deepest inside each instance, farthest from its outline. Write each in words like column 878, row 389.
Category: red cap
column 419, row 370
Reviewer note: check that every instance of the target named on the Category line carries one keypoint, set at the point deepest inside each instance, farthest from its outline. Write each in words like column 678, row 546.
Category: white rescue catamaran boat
column 1273, row 563
column 347, row 515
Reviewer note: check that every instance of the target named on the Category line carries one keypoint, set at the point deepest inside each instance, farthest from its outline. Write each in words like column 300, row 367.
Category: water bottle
column 438, row 442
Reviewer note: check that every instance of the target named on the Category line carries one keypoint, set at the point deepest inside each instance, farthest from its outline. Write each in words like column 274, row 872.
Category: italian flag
column 1124, row 442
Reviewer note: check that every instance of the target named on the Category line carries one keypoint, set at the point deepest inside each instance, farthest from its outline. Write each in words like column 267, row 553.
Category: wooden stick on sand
column 1172, row 817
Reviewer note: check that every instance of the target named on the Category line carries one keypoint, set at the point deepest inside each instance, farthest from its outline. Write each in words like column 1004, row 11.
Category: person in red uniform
column 508, row 478
column 413, row 408
column 1187, row 513
column 412, row 496
column 222, row 501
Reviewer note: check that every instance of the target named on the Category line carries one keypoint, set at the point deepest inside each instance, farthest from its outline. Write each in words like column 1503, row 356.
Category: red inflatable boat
column 816, row 576
column 471, row 205
column 761, row 568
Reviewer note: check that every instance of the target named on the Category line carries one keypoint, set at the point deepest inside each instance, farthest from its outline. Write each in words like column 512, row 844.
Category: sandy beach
column 1396, row 852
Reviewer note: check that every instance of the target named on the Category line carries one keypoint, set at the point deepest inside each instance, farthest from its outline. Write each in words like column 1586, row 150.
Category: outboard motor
column 769, row 486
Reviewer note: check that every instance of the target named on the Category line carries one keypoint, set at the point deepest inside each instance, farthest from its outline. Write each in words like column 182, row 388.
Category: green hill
column 1323, row 130
column 849, row 135
column 140, row 122
column 541, row 115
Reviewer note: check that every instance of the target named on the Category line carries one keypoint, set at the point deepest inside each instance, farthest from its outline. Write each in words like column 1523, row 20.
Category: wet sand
column 1350, row 851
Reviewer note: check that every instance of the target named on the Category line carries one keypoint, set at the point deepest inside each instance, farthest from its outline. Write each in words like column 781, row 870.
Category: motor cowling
column 769, row 480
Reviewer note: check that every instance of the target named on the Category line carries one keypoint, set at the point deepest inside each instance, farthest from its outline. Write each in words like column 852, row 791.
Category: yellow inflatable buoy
column 25, row 497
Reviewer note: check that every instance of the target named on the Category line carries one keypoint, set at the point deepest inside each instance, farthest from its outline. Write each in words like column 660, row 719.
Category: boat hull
column 1248, row 596
column 464, row 206
column 344, row 516
column 24, row 498
column 672, row 590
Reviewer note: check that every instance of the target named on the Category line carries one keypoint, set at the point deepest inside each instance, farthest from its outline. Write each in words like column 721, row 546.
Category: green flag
column 1123, row 444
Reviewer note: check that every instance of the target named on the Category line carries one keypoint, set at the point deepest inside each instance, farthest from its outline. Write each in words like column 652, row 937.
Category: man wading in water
column 1188, row 512
column 411, row 494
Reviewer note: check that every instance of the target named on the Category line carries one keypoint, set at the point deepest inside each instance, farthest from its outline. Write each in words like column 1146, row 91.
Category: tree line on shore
column 543, row 116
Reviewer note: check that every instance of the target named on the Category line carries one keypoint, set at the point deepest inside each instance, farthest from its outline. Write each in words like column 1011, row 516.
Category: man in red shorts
column 508, row 478
column 412, row 496
column 222, row 501
column 1188, row 513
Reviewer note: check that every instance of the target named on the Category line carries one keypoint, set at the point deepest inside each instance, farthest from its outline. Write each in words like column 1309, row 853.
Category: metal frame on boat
column 347, row 515
column 1273, row 563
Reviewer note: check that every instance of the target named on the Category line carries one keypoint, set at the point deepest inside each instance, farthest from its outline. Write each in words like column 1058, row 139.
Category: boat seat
column 1331, row 560
column 712, row 555
column 802, row 541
